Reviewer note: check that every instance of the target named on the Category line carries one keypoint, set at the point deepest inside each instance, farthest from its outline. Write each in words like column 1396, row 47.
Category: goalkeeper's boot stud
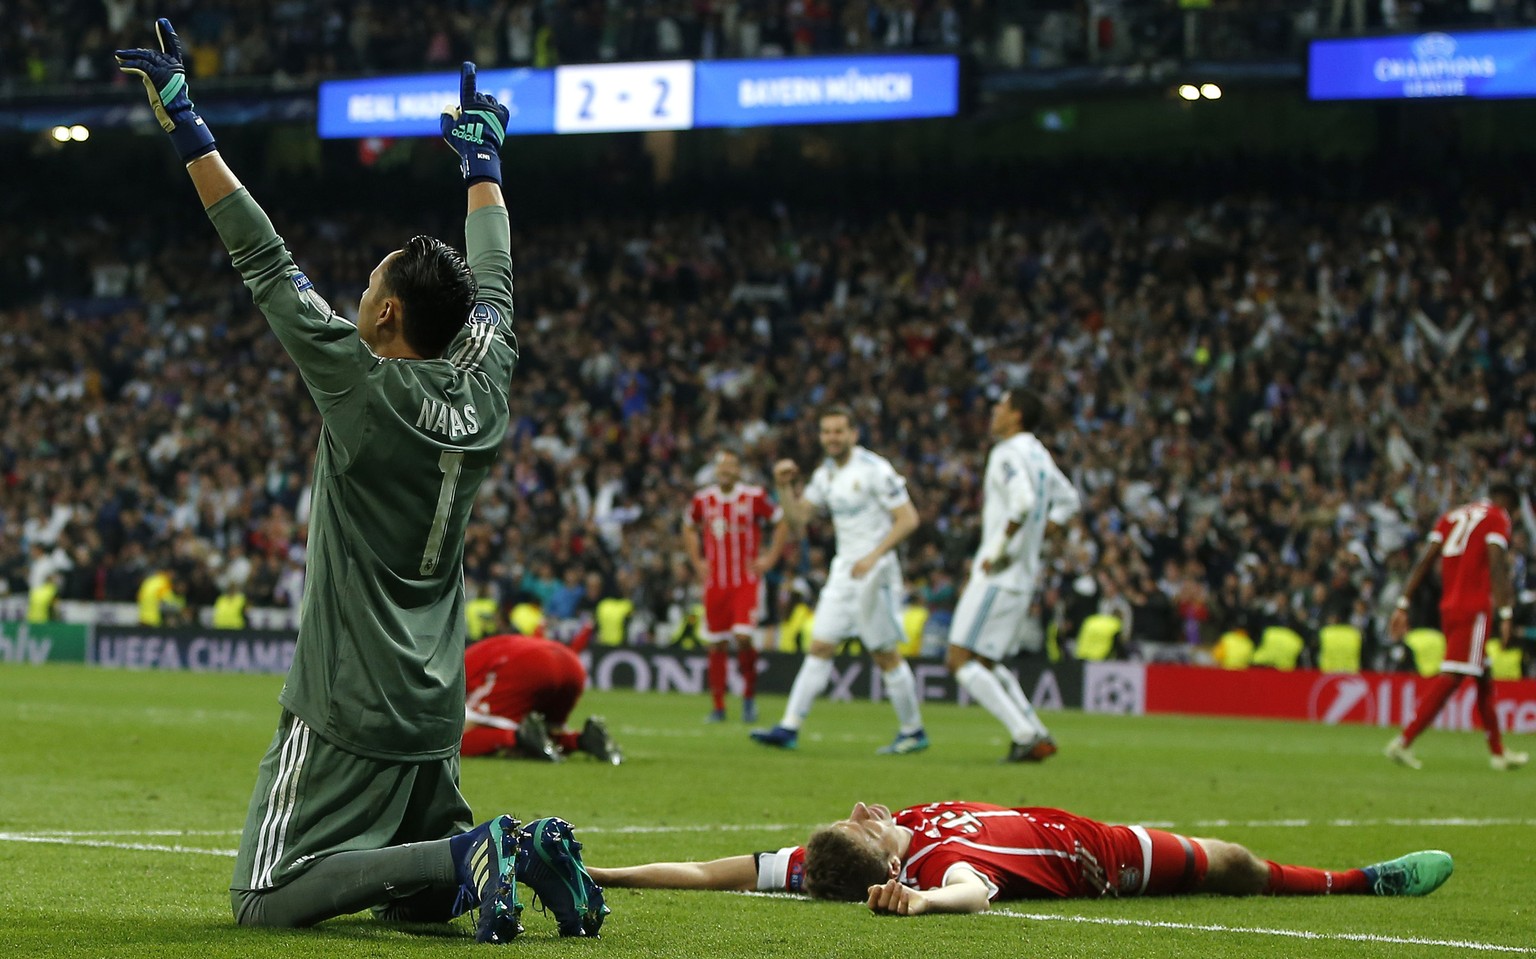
column 484, row 859
column 549, row 861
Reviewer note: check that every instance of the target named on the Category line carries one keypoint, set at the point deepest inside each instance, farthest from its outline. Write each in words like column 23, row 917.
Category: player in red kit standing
column 723, row 535
column 520, row 691
column 1472, row 544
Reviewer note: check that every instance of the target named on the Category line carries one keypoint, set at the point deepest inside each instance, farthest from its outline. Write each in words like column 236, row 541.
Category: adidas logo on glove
column 473, row 132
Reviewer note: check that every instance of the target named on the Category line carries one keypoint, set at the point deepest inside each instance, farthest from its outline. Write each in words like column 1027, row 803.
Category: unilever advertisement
column 664, row 95
column 1481, row 65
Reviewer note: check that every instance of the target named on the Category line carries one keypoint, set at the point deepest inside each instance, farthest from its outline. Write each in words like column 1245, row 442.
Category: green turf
column 120, row 754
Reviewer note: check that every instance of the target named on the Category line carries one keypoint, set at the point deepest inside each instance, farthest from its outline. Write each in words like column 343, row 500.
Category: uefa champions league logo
column 1435, row 69
column 1434, row 46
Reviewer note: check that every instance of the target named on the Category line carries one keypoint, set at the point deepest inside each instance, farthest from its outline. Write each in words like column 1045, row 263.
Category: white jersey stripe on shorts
column 1476, row 655
column 1144, row 839
column 274, row 797
column 280, row 801
column 291, row 804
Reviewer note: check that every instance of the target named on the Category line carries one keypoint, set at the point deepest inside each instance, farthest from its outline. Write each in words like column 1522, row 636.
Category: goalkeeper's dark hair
column 841, row 866
column 1029, row 406
column 436, row 290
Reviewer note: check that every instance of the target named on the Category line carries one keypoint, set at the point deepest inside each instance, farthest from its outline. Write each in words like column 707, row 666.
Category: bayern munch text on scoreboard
column 662, row 95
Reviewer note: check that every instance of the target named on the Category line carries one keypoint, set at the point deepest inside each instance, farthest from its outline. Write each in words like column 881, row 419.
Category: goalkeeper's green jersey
column 379, row 667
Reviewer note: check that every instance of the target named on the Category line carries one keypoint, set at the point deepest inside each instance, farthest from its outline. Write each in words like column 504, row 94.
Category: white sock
column 901, row 686
column 1016, row 693
column 984, row 687
column 809, row 682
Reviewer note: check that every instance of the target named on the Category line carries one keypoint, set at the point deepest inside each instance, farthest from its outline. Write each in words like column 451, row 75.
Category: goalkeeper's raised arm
column 418, row 298
column 476, row 129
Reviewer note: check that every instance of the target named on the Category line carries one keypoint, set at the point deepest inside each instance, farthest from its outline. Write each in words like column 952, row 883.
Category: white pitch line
column 1338, row 823
column 1214, row 927
column 1261, row 931
column 740, row 827
column 129, row 832
column 103, row 844
column 61, row 835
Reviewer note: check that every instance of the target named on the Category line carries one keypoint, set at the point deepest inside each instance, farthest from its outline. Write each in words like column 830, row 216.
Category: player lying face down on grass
column 963, row 856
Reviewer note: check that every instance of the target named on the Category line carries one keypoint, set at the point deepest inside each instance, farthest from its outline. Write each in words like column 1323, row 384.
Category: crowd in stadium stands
column 1264, row 405
column 52, row 42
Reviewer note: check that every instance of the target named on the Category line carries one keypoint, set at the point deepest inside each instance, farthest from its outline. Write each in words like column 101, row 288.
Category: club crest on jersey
column 1130, row 878
column 485, row 313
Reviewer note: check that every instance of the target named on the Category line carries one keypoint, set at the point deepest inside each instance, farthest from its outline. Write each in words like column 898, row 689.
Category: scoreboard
column 661, row 95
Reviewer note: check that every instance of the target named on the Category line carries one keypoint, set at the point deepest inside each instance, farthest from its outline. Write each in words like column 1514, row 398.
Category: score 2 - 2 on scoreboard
column 605, row 98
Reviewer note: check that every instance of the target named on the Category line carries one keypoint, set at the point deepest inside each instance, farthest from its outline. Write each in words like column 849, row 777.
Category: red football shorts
column 1152, row 862
column 1465, row 634
column 732, row 609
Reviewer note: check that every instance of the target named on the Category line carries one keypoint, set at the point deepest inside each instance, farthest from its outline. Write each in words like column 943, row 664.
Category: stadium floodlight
column 61, row 134
column 1210, row 91
column 79, row 133
column 1189, row 91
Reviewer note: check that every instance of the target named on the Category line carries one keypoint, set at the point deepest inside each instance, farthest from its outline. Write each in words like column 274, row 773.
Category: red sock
column 719, row 668
column 1439, row 691
column 487, row 740
column 1305, row 881
column 1487, row 699
column 746, row 664
column 567, row 742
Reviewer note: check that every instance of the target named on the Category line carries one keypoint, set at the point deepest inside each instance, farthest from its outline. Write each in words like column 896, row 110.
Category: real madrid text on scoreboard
column 664, row 95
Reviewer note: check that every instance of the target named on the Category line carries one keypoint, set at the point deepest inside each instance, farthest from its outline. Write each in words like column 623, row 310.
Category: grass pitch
column 122, row 795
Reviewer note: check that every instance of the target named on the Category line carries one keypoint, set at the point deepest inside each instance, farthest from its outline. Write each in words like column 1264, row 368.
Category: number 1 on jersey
column 451, row 462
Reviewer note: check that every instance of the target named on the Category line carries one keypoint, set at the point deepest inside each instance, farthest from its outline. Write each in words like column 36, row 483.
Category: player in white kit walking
column 871, row 513
column 1023, row 492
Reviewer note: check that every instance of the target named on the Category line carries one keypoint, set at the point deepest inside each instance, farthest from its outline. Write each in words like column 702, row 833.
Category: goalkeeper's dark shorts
column 313, row 798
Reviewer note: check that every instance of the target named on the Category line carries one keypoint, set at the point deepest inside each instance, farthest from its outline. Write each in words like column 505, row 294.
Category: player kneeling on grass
column 520, row 692
column 961, row 856
column 357, row 800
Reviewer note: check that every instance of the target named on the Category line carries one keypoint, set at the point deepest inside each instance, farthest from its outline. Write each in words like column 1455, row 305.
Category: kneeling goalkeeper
column 357, row 801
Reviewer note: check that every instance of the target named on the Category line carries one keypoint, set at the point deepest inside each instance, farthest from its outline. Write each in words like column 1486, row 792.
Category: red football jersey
column 731, row 526
column 1025, row 853
column 1464, row 534
column 510, row 675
